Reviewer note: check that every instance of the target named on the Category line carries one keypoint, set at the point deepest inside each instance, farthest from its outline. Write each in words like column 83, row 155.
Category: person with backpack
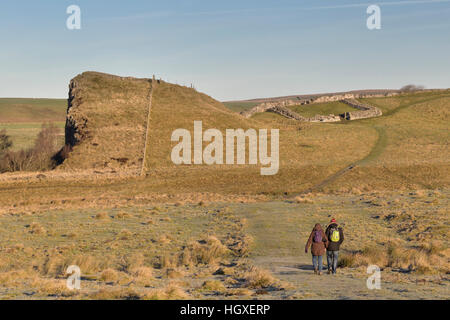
column 335, row 236
column 318, row 242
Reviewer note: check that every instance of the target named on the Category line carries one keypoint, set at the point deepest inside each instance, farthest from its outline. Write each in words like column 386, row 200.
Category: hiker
column 335, row 237
column 318, row 242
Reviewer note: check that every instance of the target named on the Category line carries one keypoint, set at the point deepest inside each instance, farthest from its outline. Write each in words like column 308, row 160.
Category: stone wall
column 364, row 110
column 286, row 112
column 344, row 96
column 280, row 107
column 266, row 106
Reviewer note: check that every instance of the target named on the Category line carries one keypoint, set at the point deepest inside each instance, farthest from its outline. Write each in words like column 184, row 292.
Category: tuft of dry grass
column 171, row 292
column 116, row 294
column 257, row 278
column 208, row 251
column 124, row 234
column 213, row 285
column 123, row 215
column 51, row 287
column 109, row 275
column 164, row 239
column 102, row 216
column 37, row 228
column 174, row 273
column 239, row 292
column 142, row 272
column 303, row 199
column 428, row 258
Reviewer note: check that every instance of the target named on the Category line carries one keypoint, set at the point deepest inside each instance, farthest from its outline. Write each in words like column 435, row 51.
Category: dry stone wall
column 364, row 110
column 280, row 107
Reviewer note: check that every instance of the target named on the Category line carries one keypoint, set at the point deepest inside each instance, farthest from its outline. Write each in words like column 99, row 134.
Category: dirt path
column 346, row 284
column 280, row 230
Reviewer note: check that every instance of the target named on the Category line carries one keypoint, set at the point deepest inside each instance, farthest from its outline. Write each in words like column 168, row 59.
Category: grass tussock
column 174, row 273
column 123, row 215
column 171, row 292
column 213, row 285
column 109, row 275
column 427, row 258
column 37, row 228
column 116, row 294
column 52, row 287
column 56, row 265
column 102, row 216
column 257, row 278
column 303, row 199
column 208, row 251
column 124, row 234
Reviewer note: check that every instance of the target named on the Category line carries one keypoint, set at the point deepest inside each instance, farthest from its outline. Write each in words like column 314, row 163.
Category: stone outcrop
column 106, row 122
column 76, row 123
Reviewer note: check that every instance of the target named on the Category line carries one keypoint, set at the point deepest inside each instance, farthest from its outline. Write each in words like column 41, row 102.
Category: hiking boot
column 315, row 271
column 329, row 271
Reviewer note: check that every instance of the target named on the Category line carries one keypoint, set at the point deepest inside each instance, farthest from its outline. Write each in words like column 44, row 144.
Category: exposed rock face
column 76, row 124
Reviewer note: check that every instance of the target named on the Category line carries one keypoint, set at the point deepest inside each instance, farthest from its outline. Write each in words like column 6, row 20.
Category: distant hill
column 13, row 110
column 315, row 95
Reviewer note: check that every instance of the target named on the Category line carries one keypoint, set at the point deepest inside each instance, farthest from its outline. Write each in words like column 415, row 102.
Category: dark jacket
column 317, row 248
column 334, row 246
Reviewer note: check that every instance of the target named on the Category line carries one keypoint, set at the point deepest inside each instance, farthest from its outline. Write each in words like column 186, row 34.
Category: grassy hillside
column 412, row 145
column 406, row 148
column 304, row 157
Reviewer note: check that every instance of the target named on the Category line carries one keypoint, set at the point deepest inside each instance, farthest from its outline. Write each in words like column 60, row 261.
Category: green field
column 22, row 118
column 310, row 110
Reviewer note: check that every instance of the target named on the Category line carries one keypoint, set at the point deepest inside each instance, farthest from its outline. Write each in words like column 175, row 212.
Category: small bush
column 5, row 142
column 38, row 158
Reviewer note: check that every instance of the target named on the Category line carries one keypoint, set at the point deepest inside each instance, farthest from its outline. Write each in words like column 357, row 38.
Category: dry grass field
column 221, row 231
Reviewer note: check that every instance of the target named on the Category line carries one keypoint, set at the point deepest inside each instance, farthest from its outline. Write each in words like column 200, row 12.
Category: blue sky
column 227, row 49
